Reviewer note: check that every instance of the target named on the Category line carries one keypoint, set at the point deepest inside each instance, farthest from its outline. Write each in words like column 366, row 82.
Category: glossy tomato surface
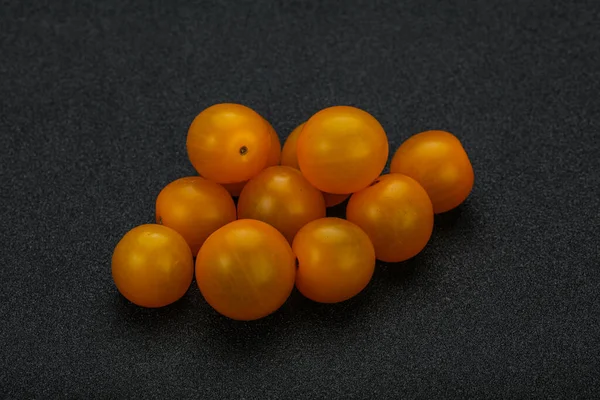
column 274, row 157
column 195, row 207
column 229, row 143
column 396, row 213
column 438, row 161
column 246, row 270
column 342, row 149
column 283, row 198
column 336, row 260
column 152, row 266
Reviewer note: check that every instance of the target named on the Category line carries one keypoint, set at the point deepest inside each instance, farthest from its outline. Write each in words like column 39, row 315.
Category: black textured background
column 96, row 98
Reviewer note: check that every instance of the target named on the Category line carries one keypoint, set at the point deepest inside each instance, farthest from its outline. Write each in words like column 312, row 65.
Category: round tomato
column 246, row 270
column 289, row 157
column 152, row 266
column 396, row 213
column 274, row 156
column 342, row 149
column 195, row 207
column 336, row 260
column 438, row 161
column 283, row 198
column 228, row 143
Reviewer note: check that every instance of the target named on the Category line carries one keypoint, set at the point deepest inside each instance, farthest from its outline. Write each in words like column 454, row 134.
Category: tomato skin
column 283, row 198
column 342, row 149
column 334, row 199
column 274, row 157
column 235, row 189
column 195, row 207
column 396, row 214
column 289, row 157
column 246, row 270
column 152, row 266
column 228, row 143
column 438, row 161
column 336, row 260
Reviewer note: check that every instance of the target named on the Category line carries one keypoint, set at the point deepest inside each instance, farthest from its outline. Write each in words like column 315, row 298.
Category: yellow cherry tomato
column 283, row 198
column 342, row 149
column 396, row 213
column 195, row 207
column 289, row 157
column 246, row 270
column 336, row 260
column 152, row 266
column 438, row 161
column 229, row 143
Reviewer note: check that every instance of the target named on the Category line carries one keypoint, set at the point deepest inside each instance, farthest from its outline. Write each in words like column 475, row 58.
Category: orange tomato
column 195, row 207
column 246, row 270
column 438, row 161
column 336, row 260
column 396, row 213
column 228, row 143
column 283, row 198
column 274, row 156
column 289, row 157
column 152, row 266
column 342, row 149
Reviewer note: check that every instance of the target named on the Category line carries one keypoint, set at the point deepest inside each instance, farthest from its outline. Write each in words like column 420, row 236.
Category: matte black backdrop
column 96, row 98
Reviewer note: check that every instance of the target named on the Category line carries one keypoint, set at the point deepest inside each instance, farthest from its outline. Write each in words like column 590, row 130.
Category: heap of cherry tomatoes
column 249, row 256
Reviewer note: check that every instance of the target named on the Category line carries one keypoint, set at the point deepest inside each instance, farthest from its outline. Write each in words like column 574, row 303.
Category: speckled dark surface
column 95, row 102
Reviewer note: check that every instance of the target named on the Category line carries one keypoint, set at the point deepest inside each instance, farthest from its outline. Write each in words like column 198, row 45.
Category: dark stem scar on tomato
column 243, row 150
